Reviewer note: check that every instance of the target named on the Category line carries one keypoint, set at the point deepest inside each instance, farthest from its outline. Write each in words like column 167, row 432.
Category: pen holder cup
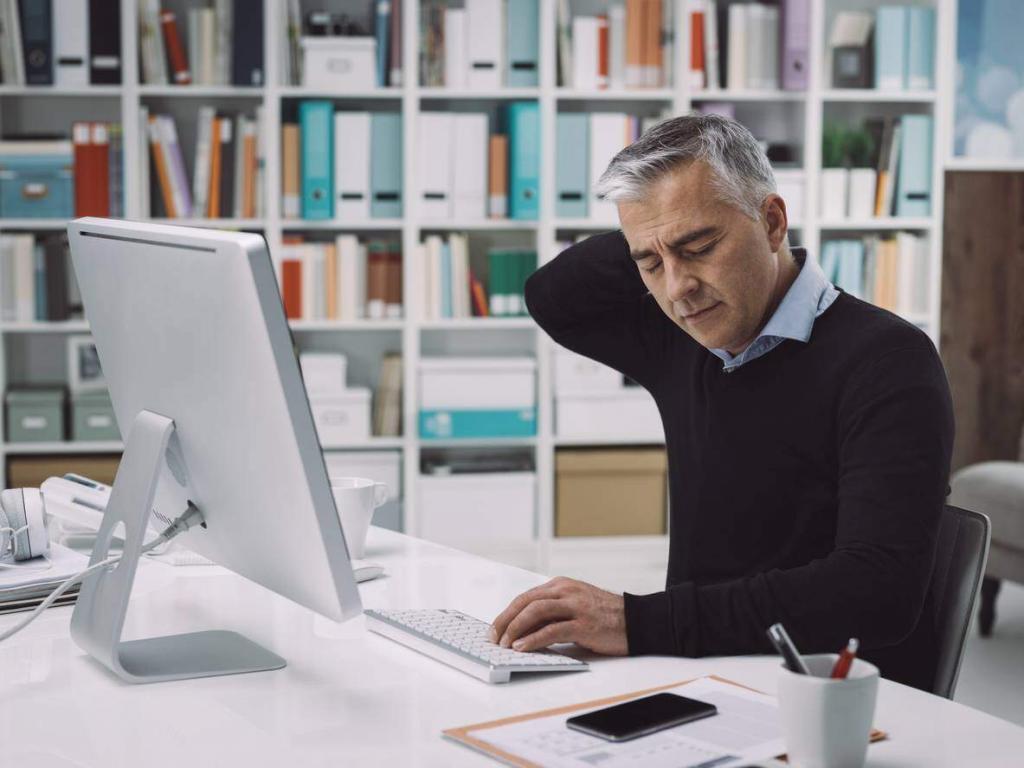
column 356, row 499
column 827, row 723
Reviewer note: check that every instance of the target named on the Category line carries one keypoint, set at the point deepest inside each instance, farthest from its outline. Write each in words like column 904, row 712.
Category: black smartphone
column 640, row 717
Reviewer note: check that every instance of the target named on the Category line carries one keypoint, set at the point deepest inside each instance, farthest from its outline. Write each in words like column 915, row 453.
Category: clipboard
column 465, row 734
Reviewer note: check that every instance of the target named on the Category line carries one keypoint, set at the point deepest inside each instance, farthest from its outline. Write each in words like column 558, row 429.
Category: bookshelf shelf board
column 370, row 442
column 37, row 225
column 64, row 447
column 579, row 442
column 294, row 225
column 476, row 442
column 213, row 223
column 90, row 92
column 880, row 224
column 499, row 94
column 871, row 95
column 478, row 224
column 639, row 94
column 478, row 323
column 346, row 325
column 724, row 94
column 203, row 91
column 302, row 92
column 44, row 326
column 1009, row 165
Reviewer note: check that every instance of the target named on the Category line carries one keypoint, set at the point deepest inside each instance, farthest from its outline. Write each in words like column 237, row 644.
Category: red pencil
column 845, row 660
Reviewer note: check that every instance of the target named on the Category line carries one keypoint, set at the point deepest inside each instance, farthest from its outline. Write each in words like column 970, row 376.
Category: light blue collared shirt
column 807, row 298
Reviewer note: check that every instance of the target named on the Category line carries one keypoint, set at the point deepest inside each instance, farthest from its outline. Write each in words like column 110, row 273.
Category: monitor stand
column 98, row 620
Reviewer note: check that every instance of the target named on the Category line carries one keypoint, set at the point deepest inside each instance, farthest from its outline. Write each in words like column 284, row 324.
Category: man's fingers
column 500, row 624
column 536, row 614
column 559, row 632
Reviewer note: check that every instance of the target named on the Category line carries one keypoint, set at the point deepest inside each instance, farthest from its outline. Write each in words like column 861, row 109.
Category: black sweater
column 806, row 485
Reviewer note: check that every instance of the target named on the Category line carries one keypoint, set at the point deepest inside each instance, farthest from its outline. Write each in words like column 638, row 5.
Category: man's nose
column 680, row 283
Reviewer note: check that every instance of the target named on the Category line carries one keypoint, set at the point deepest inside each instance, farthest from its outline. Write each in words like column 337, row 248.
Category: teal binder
column 851, row 267
column 920, row 48
column 385, row 165
column 891, row 47
column 521, row 43
column 477, row 423
column 524, row 160
column 914, row 176
column 316, row 128
column 572, row 153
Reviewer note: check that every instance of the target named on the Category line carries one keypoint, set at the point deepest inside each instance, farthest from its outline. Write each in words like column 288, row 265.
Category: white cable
column 188, row 519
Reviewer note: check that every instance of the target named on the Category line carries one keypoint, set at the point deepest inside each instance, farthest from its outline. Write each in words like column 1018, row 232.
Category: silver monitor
column 199, row 359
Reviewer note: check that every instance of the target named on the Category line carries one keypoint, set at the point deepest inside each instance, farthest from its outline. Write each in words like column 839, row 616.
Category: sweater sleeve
column 895, row 442
column 590, row 299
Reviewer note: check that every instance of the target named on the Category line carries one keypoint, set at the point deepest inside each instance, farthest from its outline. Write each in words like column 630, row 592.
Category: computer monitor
column 189, row 326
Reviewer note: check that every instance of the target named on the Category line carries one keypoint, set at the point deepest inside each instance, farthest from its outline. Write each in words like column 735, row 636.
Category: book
column 497, row 176
column 228, row 152
column 290, row 188
column 387, row 398
column 153, row 58
column 12, row 56
column 175, row 50
column 585, row 41
column 247, row 43
column 382, row 34
column 202, row 165
column 455, row 60
column 91, row 169
column 602, row 51
column 698, row 63
column 395, row 46
column 712, row 65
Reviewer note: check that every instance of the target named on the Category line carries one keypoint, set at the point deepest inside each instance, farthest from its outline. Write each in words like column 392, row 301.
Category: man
column 808, row 432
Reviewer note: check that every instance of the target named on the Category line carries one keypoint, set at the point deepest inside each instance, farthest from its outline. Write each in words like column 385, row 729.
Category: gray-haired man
column 808, row 433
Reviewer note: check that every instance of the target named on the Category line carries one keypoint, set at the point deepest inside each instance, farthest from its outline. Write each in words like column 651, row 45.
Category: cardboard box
column 31, row 471
column 497, row 507
column 343, row 417
column 629, row 413
column 610, row 492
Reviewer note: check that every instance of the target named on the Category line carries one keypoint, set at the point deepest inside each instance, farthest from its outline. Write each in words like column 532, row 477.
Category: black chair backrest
column 960, row 557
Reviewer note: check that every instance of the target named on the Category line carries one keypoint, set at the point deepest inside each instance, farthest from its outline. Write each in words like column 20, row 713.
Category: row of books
column 225, row 44
column 630, row 46
column 456, row 285
column 387, row 397
column 67, row 43
column 891, row 48
column 751, row 46
column 386, row 34
column 38, row 283
column 585, row 143
column 346, row 280
column 891, row 272
column 228, row 179
column 345, row 165
column 54, row 178
column 486, row 44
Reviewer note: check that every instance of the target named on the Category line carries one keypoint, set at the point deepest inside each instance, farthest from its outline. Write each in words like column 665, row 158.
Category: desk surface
column 348, row 697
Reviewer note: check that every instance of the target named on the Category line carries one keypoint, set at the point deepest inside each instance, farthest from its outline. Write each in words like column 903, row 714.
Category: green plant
column 833, row 146
column 860, row 148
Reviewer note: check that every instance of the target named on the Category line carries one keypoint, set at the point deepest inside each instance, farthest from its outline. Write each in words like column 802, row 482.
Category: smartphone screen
column 641, row 716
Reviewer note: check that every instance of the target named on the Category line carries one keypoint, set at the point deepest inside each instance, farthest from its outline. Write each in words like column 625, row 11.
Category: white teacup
column 827, row 723
column 356, row 499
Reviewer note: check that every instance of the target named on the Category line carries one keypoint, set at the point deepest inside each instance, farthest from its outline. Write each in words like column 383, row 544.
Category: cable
column 190, row 518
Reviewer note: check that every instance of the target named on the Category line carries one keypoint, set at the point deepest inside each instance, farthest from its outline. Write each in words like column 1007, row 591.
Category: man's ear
column 776, row 221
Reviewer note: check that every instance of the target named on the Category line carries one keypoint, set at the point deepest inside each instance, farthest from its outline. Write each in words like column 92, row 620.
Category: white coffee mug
column 827, row 723
column 356, row 499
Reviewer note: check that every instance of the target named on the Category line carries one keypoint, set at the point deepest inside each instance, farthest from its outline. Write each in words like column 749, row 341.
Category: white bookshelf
column 414, row 336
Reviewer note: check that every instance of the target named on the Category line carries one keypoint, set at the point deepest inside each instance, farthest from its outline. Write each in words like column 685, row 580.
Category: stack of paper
column 26, row 585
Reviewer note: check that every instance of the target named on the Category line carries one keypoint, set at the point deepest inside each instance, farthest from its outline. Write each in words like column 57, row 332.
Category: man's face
column 713, row 270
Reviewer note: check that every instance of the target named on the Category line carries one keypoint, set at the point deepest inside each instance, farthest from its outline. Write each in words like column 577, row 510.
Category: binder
column 71, row 44
column 469, row 172
column 316, row 121
column 104, row 42
column 890, row 48
column 352, row 165
column 434, row 151
column 383, row 24
column 920, row 48
column 485, row 51
column 914, row 182
column 607, row 137
column 386, row 165
column 36, row 17
column 455, row 59
column 521, row 43
column 524, row 159
column 572, row 150
column 247, row 47
column 796, row 44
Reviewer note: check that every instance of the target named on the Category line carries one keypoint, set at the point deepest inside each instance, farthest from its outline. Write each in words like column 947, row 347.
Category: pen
column 845, row 660
column 780, row 639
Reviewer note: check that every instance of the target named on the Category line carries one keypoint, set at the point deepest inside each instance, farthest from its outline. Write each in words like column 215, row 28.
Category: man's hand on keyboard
column 564, row 611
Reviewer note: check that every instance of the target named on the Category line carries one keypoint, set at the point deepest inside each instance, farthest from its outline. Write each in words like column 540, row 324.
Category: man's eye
column 705, row 250
column 652, row 270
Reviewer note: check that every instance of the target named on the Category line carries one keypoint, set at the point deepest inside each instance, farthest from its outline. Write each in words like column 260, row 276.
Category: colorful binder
column 316, row 123
column 521, row 43
column 914, row 182
column 524, row 159
column 572, row 150
column 386, row 165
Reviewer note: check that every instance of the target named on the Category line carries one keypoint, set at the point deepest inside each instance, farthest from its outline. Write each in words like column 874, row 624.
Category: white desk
column 351, row 698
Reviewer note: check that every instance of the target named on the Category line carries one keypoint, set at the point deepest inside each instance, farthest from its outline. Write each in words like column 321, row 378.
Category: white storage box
column 338, row 63
column 343, row 417
column 790, row 184
column 477, row 397
column 324, row 372
column 380, row 466
column 497, row 507
column 627, row 414
column 576, row 373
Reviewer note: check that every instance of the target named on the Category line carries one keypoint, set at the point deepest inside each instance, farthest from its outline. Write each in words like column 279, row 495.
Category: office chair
column 960, row 557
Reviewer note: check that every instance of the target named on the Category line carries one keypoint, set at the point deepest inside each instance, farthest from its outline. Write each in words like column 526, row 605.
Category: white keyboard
column 463, row 642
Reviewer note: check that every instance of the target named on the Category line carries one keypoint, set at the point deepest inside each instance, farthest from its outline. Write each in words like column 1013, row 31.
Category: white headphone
column 23, row 531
